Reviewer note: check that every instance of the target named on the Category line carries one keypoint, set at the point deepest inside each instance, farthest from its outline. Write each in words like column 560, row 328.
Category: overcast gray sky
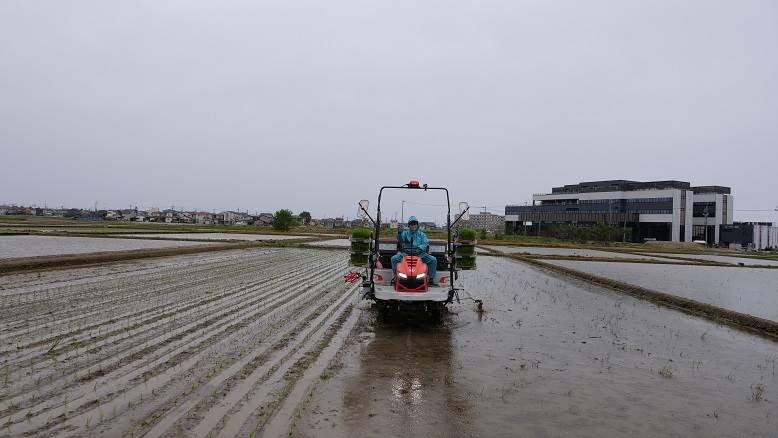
column 313, row 105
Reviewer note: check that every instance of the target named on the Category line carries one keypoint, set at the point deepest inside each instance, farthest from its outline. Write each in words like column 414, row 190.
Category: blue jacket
column 414, row 239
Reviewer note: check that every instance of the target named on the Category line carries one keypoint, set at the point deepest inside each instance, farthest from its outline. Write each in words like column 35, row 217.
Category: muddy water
column 746, row 290
column 567, row 252
column 551, row 356
column 726, row 259
column 344, row 243
column 219, row 236
column 29, row 246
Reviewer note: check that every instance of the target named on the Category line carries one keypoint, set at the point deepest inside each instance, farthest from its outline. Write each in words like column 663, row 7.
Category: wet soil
column 218, row 236
column 750, row 291
column 581, row 252
column 550, row 356
column 216, row 344
column 31, row 246
column 341, row 243
column 725, row 259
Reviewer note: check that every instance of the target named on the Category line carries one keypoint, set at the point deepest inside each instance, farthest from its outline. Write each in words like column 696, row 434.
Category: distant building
column 661, row 210
column 186, row 217
column 483, row 221
column 231, row 217
column 264, row 219
column 753, row 235
column 204, row 218
column 427, row 226
column 128, row 214
column 358, row 223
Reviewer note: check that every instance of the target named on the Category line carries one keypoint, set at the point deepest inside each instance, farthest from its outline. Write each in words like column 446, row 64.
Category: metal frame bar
column 449, row 252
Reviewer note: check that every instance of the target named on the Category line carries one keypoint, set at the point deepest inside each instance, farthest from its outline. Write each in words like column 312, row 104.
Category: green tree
column 305, row 217
column 282, row 220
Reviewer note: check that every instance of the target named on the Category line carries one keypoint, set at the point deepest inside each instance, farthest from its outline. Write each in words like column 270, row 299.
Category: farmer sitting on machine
column 413, row 238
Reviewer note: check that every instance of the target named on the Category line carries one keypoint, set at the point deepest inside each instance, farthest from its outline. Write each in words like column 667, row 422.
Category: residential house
column 204, row 218
column 264, row 219
column 129, row 214
column 427, row 226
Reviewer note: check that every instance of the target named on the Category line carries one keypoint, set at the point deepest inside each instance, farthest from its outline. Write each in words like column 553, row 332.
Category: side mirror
column 464, row 211
column 362, row 210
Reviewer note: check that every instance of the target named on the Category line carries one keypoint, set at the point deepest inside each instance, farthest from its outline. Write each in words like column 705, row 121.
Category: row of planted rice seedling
column 115, row 349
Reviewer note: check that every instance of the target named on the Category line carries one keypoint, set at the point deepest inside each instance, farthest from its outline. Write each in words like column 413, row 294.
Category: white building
column 661, row 210
column 484, row 221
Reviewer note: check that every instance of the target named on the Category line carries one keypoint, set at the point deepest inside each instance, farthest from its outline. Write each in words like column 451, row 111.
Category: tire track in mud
column 158, row 363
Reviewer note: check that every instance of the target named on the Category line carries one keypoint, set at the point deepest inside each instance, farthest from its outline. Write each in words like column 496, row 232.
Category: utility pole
column 402, row 211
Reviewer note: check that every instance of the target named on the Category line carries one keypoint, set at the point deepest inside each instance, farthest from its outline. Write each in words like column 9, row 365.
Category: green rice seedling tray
column 466, row 235
column 360, row 259
column 465, row 263
column 360, row 247
column 361, row 233
column 465, row 250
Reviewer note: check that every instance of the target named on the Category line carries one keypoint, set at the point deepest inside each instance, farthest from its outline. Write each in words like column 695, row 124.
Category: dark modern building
column 661, row 210
column 754, row 235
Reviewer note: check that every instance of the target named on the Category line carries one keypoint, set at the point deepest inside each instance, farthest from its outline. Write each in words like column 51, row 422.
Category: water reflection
column 407, row 383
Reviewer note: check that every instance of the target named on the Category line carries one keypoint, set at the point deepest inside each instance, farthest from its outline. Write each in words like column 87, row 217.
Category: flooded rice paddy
column 30, row 245
column 340, row 243
column 219, row 236
column 205, row 345
column 272, row 342
column 726, row 259
column 752, row 291
column 567, row 252
column 550, row 356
